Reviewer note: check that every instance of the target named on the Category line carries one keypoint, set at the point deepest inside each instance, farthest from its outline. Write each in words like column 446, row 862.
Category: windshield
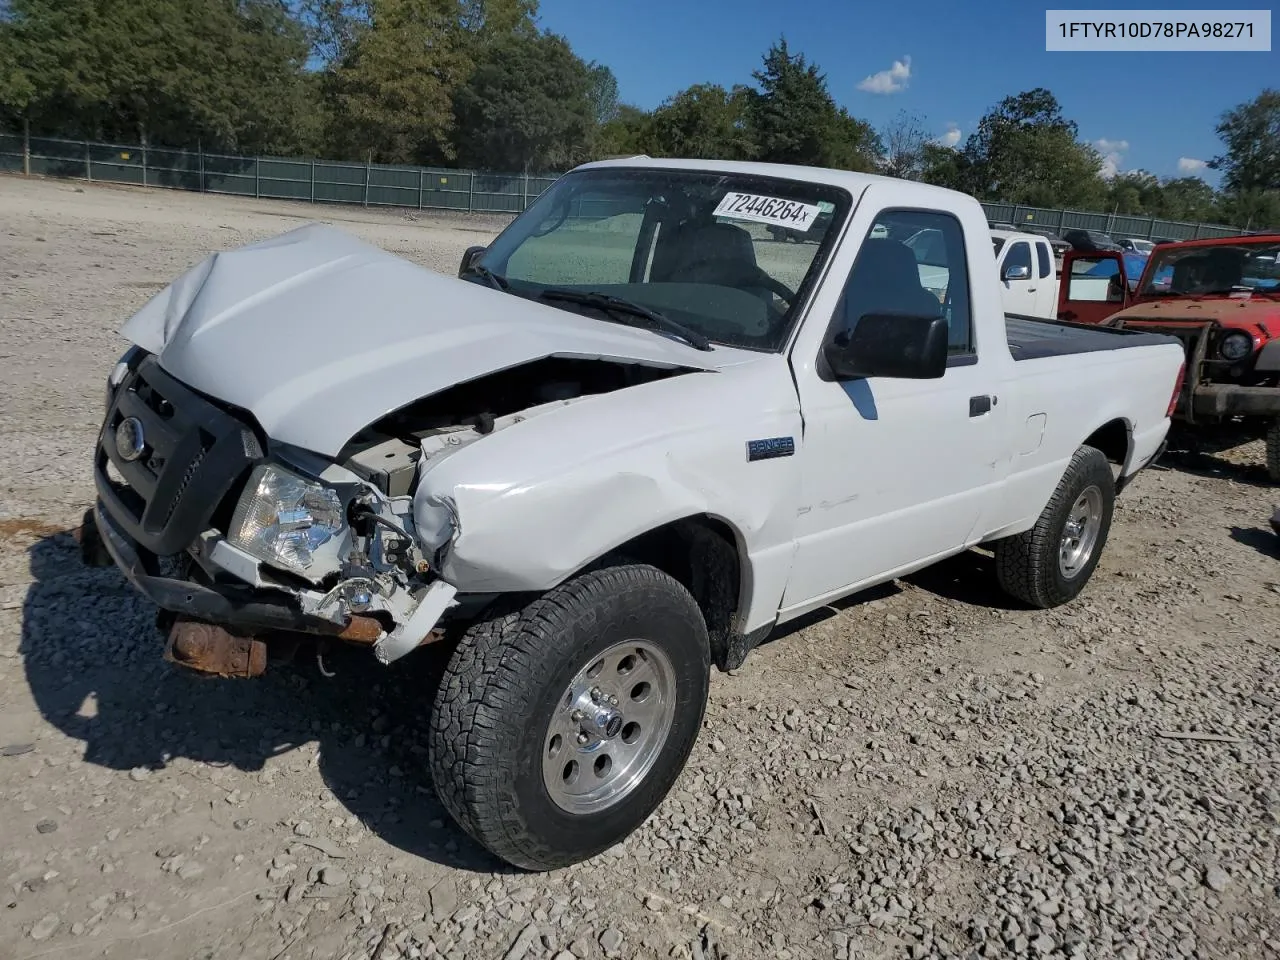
column 728, row 257
column 1219, row 270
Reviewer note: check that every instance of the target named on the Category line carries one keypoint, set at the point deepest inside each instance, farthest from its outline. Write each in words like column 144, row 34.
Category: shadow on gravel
column 968, row 578
column 1198, row 455
column 92, row 658
column 1266, row 542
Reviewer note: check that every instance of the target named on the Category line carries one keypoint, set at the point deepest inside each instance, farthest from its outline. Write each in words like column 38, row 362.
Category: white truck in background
column 1024, row 263
column 619, row 448
column 1028, row 274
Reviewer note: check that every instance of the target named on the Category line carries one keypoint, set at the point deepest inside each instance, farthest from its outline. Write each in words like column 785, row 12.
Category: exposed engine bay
column 382, row 561
column 388, row 453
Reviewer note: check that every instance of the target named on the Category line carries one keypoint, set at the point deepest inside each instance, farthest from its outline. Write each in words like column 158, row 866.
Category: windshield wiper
column 495, row 280
column 625, row 311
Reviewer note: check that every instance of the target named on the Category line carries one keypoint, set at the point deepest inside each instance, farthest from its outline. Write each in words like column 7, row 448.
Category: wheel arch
column 707, row 554
column 1115, row 439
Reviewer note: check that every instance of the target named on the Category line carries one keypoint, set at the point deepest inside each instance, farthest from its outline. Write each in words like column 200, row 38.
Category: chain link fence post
column 313, row 179
column 200, row 162
column 26, row 146
column 471, row 192
column 88, row 163
column 257, row 177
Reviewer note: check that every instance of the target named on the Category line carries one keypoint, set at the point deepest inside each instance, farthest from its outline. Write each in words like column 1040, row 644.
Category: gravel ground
column 922, row 771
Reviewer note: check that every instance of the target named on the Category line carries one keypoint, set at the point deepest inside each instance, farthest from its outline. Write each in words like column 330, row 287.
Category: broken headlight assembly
column 283, row 518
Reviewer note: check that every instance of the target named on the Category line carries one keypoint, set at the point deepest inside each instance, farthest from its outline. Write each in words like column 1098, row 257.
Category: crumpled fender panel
column 541, row 499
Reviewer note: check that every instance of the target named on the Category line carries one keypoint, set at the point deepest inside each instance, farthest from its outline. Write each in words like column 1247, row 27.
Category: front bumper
column 1216, row 400
column 249, row 609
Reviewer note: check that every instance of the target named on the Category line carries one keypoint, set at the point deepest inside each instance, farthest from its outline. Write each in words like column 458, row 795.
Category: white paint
column 1036, row 295
column 318, row 334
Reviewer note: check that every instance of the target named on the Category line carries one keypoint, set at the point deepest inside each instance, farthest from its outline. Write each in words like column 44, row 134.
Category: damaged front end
column 249, row 545
column 242, row 544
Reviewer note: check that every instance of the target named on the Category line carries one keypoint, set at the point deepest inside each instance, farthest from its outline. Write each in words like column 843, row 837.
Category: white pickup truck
column 1028, row 274
column 635, row 435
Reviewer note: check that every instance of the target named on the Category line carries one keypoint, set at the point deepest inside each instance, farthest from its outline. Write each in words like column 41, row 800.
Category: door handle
column 980, row 405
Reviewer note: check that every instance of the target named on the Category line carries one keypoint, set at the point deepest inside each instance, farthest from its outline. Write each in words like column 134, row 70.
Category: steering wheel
column 776, row 287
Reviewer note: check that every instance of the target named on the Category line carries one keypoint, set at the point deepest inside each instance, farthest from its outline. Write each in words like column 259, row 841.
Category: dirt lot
column 925, row 771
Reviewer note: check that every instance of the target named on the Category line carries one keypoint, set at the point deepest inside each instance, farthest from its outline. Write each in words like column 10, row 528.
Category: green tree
column 792, row 117
column 1251, row 134
column 390, row 98
column 1025, row 151
column 945, row 167
column 603, row 92
column 163, row 71
column 705, row 121
column 526, row 106
column 627, row 134
column 1188, row 198
column 850, row 144
column 1135, row 192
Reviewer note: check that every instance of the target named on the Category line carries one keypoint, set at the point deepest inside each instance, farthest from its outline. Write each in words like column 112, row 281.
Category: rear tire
column 1273, row 451
column 618, row 656
column 1050, row 564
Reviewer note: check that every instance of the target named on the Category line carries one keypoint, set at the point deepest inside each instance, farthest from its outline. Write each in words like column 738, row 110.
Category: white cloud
column 893, row 80
column 1112, row 154
column 1190, row 165
column 952, row 136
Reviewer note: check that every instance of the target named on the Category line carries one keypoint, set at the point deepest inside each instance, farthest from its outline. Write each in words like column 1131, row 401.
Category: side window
column 1095, row 279
column 1019, row 256
column 1046, row 259
column 912, row 262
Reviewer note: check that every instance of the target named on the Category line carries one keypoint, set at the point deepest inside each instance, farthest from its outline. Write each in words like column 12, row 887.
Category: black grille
column 194, row 453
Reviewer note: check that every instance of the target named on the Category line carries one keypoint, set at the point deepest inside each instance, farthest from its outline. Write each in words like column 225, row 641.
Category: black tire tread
column 1025, row 562
column 489, row 674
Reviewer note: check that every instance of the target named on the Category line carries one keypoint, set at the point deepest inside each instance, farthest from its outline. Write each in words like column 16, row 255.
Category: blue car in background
column 1134, row 264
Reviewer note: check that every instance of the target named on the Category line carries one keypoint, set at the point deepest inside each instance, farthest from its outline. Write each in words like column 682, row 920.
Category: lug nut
column 583, row 738
column 613, row 700
column 576, row 716
column 596, row 694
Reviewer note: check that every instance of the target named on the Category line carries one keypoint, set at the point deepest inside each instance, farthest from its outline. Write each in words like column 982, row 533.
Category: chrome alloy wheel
column 609, row 727
column 1080, row 534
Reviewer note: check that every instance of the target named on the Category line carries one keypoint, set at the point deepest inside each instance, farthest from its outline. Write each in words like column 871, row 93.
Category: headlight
column 1235, row 346
column 282, row 518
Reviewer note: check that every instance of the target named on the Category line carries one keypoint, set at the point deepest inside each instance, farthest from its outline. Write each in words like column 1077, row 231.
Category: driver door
column 1093, row 286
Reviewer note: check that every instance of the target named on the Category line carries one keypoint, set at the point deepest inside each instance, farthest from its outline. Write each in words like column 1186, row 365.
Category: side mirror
column 471, row 255
column 890, row 345
column 1016, row 271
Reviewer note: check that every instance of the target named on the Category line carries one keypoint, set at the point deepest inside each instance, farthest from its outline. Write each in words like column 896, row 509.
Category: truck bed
column 1034, row 338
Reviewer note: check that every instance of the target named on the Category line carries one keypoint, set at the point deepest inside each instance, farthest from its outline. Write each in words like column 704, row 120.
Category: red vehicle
column 1221, row 297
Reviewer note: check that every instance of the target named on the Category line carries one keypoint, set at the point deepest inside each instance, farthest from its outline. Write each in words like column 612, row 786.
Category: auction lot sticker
column 762, row 209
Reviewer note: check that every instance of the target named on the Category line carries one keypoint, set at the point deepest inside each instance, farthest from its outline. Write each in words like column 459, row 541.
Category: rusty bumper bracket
column 214, row 650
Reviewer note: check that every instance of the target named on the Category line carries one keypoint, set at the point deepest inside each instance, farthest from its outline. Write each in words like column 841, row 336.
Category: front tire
column 1050, row 564
column 560, row 726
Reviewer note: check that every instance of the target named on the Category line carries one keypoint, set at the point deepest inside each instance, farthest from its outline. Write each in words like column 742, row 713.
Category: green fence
column 1118, row 225
column 318, row 181
column 423, row 188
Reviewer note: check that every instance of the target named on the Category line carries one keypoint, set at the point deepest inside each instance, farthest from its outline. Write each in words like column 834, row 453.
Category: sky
column 948, row 61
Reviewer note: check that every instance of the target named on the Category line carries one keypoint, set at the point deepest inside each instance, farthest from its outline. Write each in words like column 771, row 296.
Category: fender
column 536, row 502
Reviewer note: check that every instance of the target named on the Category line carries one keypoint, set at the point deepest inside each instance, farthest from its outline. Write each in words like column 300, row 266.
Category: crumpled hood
column 318, row 334
column 1256, row 312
